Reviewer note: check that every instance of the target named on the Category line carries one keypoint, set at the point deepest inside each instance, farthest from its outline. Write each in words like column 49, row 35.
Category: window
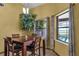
column 41, row 27
column 63, row 27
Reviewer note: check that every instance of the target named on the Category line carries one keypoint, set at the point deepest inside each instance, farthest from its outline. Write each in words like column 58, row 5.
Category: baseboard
column 1, row 52
column 53, row 51
column 49, row 49
column 56, row 53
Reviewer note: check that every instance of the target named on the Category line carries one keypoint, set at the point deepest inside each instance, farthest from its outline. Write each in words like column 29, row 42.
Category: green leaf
column 27, row 21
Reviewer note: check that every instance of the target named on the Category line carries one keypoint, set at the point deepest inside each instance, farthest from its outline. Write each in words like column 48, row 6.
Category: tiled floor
column 48, row 53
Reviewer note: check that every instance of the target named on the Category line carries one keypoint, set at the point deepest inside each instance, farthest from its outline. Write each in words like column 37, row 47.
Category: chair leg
column 44, row 48
column 12, row 53
column 17, row 53
column 8, row 53
column 33, row 52
column 39, row 49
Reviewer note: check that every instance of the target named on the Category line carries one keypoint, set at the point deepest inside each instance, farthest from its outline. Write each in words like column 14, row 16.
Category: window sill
column 62, row 42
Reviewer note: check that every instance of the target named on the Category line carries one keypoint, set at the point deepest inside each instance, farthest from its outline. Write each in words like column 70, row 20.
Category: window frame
column 57, row 28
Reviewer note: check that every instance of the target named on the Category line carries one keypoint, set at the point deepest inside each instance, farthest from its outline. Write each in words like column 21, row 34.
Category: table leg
column 5, row 47
column 24, row 50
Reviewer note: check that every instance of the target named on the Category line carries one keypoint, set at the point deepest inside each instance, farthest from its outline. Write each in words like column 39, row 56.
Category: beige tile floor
column 48, row 53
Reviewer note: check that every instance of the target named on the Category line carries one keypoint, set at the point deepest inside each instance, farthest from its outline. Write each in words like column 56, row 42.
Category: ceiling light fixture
column 26, row 10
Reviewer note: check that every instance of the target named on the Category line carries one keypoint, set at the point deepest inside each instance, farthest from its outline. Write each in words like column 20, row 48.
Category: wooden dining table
column 24, row 43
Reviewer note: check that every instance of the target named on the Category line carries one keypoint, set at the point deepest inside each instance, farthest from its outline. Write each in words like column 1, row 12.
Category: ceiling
column 32, row 5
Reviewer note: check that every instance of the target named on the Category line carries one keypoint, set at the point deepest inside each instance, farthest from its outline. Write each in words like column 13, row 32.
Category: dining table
column 25, row 43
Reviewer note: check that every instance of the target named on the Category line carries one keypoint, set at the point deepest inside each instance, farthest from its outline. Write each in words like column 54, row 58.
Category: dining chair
column 37, row 45
column 30, row 48
column 34, row 46
column 5, row 47
column 13, row 47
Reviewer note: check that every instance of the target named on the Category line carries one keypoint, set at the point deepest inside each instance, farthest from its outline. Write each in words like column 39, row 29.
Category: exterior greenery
column 39, row 24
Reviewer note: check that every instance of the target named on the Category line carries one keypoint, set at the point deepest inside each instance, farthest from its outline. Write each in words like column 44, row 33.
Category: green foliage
column 40, row 24
column 27, row 21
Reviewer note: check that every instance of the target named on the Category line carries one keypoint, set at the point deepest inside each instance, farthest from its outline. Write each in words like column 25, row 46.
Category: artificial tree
column 27, row 21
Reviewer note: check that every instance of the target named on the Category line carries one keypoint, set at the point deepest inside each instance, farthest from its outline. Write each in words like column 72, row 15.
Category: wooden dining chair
column 37, row 45
column 34, row 46
column 30, row 48
column 15, row 35
column 13, row 47
column 5, row 47
column 38, row 42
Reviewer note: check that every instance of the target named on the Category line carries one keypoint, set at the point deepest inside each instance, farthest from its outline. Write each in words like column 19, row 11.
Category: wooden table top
column 21, row 41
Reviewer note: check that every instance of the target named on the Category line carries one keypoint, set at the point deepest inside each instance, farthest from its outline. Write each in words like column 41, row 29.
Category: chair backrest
column 22, row 38
column 37, row 42
column 9, row 41
column 15, row 35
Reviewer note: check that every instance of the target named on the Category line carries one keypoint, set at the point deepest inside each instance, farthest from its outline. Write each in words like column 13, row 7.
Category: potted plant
column 27, row 21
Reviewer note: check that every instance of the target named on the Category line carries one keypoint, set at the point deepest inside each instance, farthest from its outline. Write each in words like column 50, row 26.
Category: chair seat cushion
column 17, row 46
column 31, row 46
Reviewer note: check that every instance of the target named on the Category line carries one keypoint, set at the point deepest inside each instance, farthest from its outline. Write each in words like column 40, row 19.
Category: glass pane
column 67, row 40
column 65, row 15
column 63, row 34
column 63, row 31
column 45, row 24
column 63, row 24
